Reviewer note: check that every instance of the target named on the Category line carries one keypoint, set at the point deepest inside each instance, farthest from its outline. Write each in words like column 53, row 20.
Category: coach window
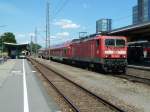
column 97, row 43
column 65, row 51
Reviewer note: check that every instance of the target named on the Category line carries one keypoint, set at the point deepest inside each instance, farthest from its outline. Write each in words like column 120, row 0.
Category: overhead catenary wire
column 61, row 4
column 61, row 7
column 58, row 10
column 122, row 18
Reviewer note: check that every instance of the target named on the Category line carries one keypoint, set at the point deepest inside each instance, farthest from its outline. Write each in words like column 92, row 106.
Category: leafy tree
column 34, row 47
column 8, row 37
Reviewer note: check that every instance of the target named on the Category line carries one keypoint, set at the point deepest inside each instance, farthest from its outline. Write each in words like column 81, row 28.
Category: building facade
column 144, row 10
column 141, row 12
column 103, row 25
column 135, row 14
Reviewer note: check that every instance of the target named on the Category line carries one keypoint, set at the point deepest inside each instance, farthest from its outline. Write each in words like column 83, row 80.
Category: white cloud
column 21, row 35
column 63, row 34
column 66, row 24
column 31, row 34
column 53, row 37
column 24, row 37
column 21, row 38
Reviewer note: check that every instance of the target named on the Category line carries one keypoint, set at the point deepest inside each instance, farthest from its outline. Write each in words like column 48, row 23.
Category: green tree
column 8, row 37
column 34, row 47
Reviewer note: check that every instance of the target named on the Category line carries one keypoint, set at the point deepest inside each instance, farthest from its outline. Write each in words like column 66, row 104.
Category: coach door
column 92, row 49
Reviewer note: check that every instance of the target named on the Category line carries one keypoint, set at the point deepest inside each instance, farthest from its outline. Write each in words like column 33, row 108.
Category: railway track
column 79, row 98
column 134, row 78
column 140, row 75
column 135, row 74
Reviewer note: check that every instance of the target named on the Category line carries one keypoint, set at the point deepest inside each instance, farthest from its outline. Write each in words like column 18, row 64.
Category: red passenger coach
column 141, row 51
column 106, row 52
column 61, row 52
column 44, row 53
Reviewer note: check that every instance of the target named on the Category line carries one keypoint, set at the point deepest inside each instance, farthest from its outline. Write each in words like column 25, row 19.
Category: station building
column 16, row 50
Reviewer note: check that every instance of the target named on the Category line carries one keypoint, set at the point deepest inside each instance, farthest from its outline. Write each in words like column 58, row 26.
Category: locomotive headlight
column 122, row 52
column 109, row 52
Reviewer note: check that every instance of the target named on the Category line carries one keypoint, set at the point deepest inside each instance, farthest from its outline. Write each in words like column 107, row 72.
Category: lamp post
column 2, row 41
column 31, row 44
column 1, row 46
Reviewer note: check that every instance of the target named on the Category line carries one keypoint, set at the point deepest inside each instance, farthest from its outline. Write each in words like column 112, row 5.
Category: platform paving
column 142, row 67
column 12, row 89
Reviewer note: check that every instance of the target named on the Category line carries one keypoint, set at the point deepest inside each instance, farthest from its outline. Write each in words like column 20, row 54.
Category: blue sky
column 68, row 17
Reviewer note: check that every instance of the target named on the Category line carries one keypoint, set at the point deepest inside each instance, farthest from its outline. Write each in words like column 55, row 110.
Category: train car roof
column 91, row 37
column 86, row 38
column 62, row 45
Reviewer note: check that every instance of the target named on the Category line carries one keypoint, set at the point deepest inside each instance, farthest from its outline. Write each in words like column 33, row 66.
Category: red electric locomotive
column 106, row 52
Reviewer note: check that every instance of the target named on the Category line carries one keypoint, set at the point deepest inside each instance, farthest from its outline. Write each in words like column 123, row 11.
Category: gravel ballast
column 131, row 97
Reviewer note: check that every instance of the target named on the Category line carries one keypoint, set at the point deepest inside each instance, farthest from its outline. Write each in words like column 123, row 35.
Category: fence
column 1, row 60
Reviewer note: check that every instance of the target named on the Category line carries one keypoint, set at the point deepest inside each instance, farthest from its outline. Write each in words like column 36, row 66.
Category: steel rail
column 110, row 105
column 75, row 109
column 134, row 78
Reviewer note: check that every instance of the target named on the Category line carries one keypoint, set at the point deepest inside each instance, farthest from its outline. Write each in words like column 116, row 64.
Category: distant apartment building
column 103, row 25
column 135, row 15
column 141, row 12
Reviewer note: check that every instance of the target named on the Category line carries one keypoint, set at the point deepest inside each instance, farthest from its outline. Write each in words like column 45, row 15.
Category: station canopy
column 15, row 45
column 14, row 49
column 134, row 32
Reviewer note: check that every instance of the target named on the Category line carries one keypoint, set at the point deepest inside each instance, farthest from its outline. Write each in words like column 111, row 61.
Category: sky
column 67, row 17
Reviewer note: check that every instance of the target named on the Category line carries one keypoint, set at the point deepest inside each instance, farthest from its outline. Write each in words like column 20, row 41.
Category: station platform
column 140, row 66
column 143, row 65
column 15, row 96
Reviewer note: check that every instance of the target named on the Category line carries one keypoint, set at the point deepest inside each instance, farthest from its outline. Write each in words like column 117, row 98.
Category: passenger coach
column 141, row 51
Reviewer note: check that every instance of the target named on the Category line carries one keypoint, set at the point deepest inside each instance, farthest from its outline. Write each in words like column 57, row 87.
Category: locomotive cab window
column 97, row 43
column 120, row 42
column 110, row 42
column 115, row 42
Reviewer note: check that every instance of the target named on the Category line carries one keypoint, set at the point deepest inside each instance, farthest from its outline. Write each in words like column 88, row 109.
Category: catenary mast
column 48, row 26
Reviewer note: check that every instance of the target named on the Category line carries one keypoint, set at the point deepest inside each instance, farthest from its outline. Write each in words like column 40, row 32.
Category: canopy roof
column 14, row 44
column 134, row 32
